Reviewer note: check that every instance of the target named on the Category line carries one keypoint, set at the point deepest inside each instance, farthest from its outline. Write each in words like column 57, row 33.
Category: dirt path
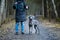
column 7, row 32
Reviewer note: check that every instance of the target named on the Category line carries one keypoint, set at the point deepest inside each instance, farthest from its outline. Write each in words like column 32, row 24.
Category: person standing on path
column 20, row 15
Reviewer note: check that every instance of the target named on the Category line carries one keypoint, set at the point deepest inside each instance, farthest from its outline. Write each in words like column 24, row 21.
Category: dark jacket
column 20, row 11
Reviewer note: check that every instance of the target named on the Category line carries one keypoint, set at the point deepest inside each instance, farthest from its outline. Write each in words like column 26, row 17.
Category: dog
column 32, row 24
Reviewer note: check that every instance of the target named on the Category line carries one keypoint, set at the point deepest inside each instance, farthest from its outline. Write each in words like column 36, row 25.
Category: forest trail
column 7, row 32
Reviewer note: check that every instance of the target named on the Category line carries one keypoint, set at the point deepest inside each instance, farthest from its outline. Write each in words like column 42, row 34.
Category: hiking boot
column 16, row 33
column 22, row 32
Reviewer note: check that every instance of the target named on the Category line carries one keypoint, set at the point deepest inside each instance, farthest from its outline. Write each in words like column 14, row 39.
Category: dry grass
column 51, row 24
column 6, row 27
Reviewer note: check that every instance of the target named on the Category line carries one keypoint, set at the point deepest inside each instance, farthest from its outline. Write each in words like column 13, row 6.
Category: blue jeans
column 17, row 26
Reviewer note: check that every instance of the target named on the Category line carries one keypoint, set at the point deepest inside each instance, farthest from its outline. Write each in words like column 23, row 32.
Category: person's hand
column 15, row 2
column 14, row 7
column 27, row 7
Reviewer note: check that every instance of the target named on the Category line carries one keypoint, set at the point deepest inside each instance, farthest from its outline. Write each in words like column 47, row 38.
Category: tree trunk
column 2, row 10
column 55, row 8
column 48, row 14
column 43, row 8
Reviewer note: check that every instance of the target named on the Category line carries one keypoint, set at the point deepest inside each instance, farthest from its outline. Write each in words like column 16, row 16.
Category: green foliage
column 0, row 2
column 58, row 19
column 34, row 7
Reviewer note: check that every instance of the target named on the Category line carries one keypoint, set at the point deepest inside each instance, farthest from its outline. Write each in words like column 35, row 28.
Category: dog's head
column 31, row 17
